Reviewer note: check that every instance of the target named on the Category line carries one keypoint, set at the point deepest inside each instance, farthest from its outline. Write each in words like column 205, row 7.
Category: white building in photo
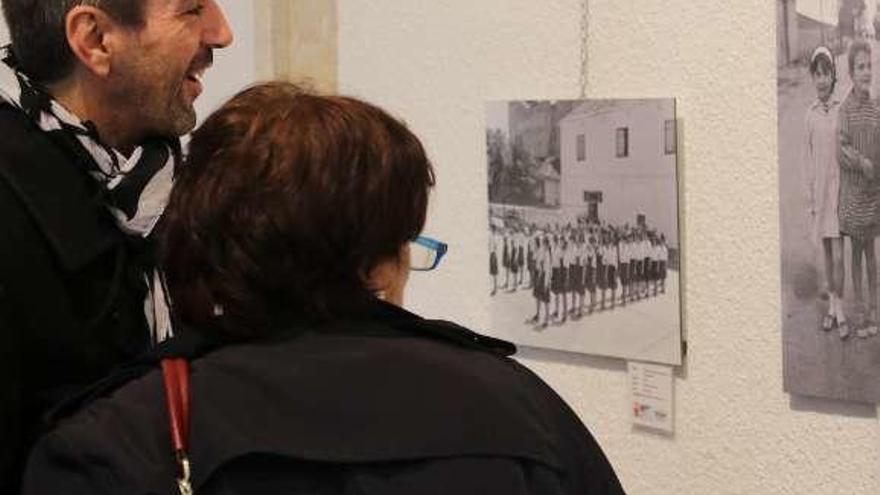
column 618, row 163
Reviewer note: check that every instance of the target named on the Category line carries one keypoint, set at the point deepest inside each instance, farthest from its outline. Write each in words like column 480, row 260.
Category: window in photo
column 622, row 142
column 581, row 147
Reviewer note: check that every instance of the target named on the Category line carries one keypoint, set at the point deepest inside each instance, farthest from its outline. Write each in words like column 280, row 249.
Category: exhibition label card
column 651, row 386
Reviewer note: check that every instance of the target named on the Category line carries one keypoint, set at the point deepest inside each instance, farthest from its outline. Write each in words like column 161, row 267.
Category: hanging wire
column 585, row 37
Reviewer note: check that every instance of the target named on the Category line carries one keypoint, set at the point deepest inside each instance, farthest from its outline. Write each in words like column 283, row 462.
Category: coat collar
column 55, row 191
column 439, row 329
column 377, row 314
column 383, row 318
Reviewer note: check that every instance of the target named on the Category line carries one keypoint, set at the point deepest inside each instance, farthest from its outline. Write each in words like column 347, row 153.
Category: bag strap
column 175, row 376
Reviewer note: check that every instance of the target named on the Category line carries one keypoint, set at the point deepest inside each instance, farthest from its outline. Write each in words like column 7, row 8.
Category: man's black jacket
column 378, row 404
column 71, row 285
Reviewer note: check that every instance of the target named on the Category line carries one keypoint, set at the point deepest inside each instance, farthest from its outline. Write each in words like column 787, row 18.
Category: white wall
column 235, row 67
column 433, row 63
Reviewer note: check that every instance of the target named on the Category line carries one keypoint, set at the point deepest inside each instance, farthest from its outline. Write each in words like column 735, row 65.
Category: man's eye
column 197, row 10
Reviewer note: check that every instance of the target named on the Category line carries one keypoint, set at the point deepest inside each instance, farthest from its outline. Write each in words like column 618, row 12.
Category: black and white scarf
column 136, row 187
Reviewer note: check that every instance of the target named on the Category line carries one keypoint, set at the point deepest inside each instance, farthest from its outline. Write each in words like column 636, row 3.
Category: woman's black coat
column 382, row 403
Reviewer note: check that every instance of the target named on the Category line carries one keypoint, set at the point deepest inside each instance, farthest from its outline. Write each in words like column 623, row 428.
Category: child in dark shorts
column 575, row 277
column 610, row 257
column 590, row 268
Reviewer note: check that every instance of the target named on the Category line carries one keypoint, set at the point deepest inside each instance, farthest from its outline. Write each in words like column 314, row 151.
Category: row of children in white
column 568, row 267
column 512, row 251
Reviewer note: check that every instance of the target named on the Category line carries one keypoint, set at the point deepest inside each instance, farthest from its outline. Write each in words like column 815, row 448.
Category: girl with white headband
column 823, row 173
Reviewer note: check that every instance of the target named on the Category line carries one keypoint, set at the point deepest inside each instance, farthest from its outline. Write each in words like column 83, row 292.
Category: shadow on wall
column 571, row 358
column 832, row 407
column 681, row 255
column 585, row 360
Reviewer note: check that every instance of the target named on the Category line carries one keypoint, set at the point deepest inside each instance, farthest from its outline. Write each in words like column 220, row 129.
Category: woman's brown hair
column 287, row 200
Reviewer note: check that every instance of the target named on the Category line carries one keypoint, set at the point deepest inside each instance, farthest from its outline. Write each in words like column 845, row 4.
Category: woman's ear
column 389, row 277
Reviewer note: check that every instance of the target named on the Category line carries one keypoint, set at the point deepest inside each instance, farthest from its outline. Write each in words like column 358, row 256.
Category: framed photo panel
column 583, row 251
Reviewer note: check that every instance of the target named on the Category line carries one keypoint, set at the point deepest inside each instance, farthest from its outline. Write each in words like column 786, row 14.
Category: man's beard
column 154, row 111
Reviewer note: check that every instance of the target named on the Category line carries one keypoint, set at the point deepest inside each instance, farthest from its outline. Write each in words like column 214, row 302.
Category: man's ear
column 88, row 30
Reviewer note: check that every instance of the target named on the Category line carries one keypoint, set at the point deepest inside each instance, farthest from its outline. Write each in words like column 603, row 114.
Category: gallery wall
column 300, row 41
column 236, row 66
column 434, row 63
column 737, row 432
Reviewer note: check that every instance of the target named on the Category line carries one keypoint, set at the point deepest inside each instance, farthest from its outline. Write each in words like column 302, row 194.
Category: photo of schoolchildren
column 829, row 180
column 583, row 204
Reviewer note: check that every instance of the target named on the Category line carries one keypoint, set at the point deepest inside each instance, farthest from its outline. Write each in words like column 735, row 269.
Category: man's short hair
column 286, row 203
column 37, row 29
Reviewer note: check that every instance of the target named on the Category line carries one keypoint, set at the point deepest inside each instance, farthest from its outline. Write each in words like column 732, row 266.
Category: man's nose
column 217, row 32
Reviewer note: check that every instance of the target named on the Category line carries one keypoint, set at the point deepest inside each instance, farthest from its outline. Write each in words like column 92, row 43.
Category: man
column 93, row 98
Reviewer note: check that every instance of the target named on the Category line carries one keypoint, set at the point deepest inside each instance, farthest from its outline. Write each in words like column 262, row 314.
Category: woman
column 859, row 154
column 287, row 228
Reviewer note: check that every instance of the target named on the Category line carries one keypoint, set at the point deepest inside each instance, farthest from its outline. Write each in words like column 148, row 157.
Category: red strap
column 175, row 373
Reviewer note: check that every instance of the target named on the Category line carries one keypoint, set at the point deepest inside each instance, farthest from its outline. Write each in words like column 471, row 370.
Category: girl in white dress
column 823, row 182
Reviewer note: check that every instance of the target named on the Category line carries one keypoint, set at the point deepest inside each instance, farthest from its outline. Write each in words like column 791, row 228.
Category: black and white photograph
column 829, row 180
column 583, row 251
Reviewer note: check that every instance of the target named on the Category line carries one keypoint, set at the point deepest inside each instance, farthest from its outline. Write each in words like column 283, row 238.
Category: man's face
column 156, row 77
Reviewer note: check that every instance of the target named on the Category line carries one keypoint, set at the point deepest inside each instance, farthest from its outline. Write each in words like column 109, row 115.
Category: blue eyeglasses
column 425, row 253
